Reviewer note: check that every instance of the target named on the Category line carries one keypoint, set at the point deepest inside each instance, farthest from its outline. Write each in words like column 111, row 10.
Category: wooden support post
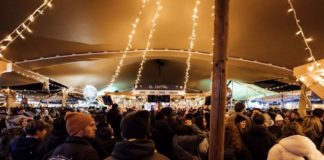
column 218, row 97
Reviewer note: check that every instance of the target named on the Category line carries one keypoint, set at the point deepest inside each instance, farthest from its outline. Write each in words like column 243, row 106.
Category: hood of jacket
column 298, row 145
column 134, row 149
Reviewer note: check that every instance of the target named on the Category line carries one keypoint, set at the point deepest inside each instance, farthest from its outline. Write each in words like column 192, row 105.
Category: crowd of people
column 167, row 133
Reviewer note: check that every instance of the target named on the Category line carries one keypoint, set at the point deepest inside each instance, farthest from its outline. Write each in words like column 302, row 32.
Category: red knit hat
column 76, row 121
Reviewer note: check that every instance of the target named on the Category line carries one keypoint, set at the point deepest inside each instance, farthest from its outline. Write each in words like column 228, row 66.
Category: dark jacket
column 259, row 141
column 5, row 146
column 139, row 149
column 24, row 148
column 276, row 130
column 162, row 135
column 47, row 148
column 75, row 148
column 114, row 119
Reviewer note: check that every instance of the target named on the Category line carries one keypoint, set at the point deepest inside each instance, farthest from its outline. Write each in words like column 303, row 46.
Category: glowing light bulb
column 309, row 39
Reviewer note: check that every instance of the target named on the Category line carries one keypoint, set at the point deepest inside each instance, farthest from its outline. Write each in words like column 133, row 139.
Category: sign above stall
column 158, row 89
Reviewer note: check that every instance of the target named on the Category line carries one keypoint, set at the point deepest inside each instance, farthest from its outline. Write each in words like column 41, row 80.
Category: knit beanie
column 76, row 121
column 279, row 118
column 135, row 125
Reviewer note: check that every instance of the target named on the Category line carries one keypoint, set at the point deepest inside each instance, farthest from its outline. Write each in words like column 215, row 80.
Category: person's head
column 201, row 122
column 59, row 128
column 135, row 125
column 239, row 107
column 258, row 119
column 36, row 129
column 279, row 121
column 294, row 116
column 114, row 106
column 292, row 128
column 318, row 112
column 80, row 124
column 240, row 121
column 24, row 121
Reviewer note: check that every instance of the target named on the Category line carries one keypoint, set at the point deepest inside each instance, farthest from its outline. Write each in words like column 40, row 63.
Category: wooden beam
column 218, row 97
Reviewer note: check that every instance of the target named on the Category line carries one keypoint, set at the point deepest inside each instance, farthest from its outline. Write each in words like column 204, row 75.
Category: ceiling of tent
column 260, row 31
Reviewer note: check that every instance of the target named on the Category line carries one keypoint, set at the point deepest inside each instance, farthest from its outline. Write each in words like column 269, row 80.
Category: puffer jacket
column 295, row 147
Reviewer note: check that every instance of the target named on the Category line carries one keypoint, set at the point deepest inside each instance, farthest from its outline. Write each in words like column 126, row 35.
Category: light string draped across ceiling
column 192, row 43
column 129, row 44
column 148, row 44
column 316, row 65
column 24, row 26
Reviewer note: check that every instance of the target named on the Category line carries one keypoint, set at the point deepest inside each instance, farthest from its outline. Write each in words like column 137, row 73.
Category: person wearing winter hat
column 81, row 127
column 135, row 145
column 276, row 129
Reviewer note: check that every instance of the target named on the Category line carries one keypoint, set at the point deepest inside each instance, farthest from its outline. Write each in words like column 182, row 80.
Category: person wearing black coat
column 135, row 144
column 81, row 127
column 258, row 139
column 25, row 147
column 113, row 118
column 56, row 138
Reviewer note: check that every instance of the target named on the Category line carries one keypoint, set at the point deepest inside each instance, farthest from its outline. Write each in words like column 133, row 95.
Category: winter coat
column 5, row 147
column 114, row 118
column 24, row 148
column 162, row 135
column 47, row 148
column 186, row 147
column 295, row 147
column 276, row 130
column 137, row 149
column 259, row 141
column 75, row 148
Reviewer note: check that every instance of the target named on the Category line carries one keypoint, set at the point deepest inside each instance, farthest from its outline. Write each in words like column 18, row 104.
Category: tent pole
column 218, row 95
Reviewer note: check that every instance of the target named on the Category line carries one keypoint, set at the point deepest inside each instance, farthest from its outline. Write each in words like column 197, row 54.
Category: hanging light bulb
column 8, row 38
column 31, row 18
column 49, row 4
column 28, row 29
column 2, row 47
column 309, row 39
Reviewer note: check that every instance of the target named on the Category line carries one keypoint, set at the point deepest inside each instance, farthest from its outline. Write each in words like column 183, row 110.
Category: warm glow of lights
column 28, row 29
column 309, row 39
column 310, row 68
column 24, row 26
column 148, row 44
column 301, row 32
column 3, row 47
column 303, row 79
column 192, row 42
column 129, row 44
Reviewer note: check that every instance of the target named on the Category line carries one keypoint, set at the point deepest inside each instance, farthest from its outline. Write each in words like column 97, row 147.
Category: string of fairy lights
column 316, row 66
column 148, row 44
column 24, row 26
column 129, row 44
column 192, row 43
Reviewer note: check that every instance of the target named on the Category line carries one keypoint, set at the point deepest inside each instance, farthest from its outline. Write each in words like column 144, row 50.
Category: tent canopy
column 91, row 35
